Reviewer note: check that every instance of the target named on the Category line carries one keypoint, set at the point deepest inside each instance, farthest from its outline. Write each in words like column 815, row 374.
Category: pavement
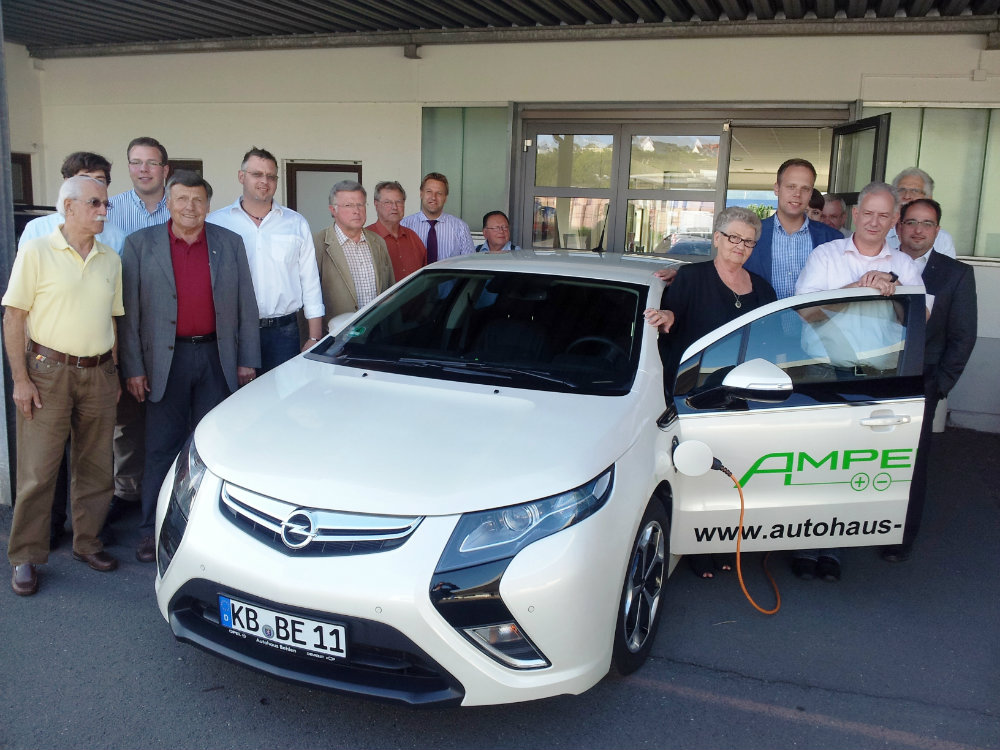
column 894, row 656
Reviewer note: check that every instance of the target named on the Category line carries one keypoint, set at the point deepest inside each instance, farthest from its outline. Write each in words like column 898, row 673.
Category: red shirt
column 193, row 277
column 407, row 253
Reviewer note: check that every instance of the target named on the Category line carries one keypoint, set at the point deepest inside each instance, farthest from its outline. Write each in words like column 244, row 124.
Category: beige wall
column 24, row 103
column 365, row 104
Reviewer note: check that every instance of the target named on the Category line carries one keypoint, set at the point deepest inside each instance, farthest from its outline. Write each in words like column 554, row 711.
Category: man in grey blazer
column 190, row 335
column 354, row 263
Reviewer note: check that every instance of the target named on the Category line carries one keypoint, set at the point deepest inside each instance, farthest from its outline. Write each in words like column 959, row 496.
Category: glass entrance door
column 614, row 188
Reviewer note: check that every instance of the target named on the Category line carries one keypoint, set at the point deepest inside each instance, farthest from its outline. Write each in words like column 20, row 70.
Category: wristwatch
column 893, row 277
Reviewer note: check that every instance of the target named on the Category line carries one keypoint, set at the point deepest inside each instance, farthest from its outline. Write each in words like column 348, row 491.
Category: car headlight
column 501, row 533
column 187, row 477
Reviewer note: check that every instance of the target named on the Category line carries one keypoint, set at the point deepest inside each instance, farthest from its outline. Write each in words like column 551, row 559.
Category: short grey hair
column 387, row 185
column 346, row 186
column 737, row 213
column 71, row 189
column 879, row 187
column 834, row 198
column 916, row 172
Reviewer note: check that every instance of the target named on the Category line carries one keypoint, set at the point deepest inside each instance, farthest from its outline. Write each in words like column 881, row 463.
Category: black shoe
column 828, row 568
column 897, row 553
column 804, row 567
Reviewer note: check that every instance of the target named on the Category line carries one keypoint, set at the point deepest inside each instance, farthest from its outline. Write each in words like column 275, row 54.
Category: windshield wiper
column 504, row 370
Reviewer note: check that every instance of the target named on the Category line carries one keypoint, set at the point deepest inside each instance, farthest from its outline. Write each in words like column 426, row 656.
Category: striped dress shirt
column 129, row 213
column 453, row 234
column 788, row 257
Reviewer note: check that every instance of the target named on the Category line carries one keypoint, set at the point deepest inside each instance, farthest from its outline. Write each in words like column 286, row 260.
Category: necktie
column 432, row 241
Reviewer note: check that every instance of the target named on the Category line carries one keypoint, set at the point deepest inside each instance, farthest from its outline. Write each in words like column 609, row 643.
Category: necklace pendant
column 738, row 304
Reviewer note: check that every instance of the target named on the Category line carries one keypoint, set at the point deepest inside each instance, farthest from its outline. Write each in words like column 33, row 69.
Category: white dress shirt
column 282, row 259
column 838, row 263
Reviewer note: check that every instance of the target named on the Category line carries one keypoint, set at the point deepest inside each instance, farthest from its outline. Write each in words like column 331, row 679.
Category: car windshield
column 525, row 330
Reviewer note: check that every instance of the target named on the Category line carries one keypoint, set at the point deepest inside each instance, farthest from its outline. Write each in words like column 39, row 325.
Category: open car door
column 815, row 404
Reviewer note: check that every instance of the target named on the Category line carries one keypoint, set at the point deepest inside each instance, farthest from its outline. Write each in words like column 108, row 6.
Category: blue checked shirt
column 454, row 236
column 129, row 213
column 788, row 257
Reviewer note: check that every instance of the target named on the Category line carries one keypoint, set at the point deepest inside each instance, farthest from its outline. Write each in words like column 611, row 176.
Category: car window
column 859, row 341
column 522, row 329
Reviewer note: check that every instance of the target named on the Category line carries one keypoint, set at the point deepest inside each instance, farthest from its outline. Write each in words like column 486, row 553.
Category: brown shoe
column 146, row 552
column 101, row 561
column 25, row 580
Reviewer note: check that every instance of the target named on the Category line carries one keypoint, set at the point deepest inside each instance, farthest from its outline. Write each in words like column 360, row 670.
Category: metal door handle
column 886, row 421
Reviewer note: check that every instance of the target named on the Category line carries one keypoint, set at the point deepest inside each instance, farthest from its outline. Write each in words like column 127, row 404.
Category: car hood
column 343, row 438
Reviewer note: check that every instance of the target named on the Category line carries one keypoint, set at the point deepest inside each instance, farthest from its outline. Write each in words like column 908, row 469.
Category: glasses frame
column 735, row 240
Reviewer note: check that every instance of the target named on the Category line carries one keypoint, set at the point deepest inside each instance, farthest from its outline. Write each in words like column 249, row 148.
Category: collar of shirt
column 779, row 227
column 140, row 203
column 344, row 239
column 851, row 247
column 58, row 241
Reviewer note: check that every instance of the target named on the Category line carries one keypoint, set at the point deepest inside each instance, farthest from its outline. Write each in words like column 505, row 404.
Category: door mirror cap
column 693, row 458
column 758, row 375
column 337, row 322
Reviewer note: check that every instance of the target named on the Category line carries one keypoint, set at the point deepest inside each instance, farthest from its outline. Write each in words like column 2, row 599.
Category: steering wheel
column 611, row 351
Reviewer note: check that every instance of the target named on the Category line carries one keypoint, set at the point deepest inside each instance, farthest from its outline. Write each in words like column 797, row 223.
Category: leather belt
column 69, row 359
column 208, row 337
column 281, row 320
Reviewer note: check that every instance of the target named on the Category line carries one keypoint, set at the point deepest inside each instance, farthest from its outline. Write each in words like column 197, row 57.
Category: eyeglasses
column 497, row 229
column 95, row 202
column 149, row 163
column 392, row 203
column 352, row 206
column 911, row 191
column 261, row 176
column 735, row 239
column 926, row 224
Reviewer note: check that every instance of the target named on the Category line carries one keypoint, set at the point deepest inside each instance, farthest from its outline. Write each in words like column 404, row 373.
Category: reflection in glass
column 674, row 162
column 573, row 223
column 678, row 227
column 855, row 157
column 573, row 160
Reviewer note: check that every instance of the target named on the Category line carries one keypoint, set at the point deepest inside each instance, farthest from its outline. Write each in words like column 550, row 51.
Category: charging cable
column 718, row 466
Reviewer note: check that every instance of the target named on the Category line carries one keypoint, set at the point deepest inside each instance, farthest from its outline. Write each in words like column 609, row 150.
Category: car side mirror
column 758, row 380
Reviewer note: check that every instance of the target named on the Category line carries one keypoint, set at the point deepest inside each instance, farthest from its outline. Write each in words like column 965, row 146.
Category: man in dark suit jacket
column 190, row 335
column 951, row 334
column 780, row 259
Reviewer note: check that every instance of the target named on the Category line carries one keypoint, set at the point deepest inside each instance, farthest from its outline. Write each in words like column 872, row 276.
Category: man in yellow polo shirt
column 63, row 293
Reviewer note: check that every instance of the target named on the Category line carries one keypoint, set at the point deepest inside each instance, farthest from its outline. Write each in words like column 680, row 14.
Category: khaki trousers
column 78, row 403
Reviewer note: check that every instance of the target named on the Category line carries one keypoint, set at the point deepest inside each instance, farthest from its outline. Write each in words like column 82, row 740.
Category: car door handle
column 886, row 421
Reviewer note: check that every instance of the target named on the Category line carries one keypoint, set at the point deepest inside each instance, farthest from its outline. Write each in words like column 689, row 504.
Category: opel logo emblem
column 298, row 529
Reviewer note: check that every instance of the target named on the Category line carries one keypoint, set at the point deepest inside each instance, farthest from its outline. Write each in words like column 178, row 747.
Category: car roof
column 636, row 269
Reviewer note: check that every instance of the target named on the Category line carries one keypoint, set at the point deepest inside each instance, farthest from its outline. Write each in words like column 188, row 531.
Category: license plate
column 288, row 633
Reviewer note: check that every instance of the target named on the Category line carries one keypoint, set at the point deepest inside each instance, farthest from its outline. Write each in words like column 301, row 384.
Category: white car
column 469, row 493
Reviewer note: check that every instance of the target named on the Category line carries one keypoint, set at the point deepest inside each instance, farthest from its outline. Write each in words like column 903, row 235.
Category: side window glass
column 858, row 340
column 708, row 370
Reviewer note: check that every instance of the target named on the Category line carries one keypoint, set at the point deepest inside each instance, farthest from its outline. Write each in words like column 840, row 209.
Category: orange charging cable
column 739, row 568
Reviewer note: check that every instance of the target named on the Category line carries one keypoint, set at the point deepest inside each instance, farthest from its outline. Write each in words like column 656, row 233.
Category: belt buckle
column 78, row 365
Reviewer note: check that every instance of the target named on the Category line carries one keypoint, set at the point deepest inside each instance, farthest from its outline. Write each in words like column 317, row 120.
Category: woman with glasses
column 704, row 296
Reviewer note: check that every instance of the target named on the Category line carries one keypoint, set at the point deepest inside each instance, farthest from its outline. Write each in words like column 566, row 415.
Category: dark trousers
column 195, row 386
column 918, row 485
column 278, row 344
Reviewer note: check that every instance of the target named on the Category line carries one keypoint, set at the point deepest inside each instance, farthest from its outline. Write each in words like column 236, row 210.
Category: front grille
column 282, row 526
column 381, row 662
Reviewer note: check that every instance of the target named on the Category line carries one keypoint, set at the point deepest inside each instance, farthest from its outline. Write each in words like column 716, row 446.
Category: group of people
column 153, row 293
column 897, row 240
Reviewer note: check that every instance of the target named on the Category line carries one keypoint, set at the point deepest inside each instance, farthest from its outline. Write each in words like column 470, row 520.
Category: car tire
column 641, row 603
